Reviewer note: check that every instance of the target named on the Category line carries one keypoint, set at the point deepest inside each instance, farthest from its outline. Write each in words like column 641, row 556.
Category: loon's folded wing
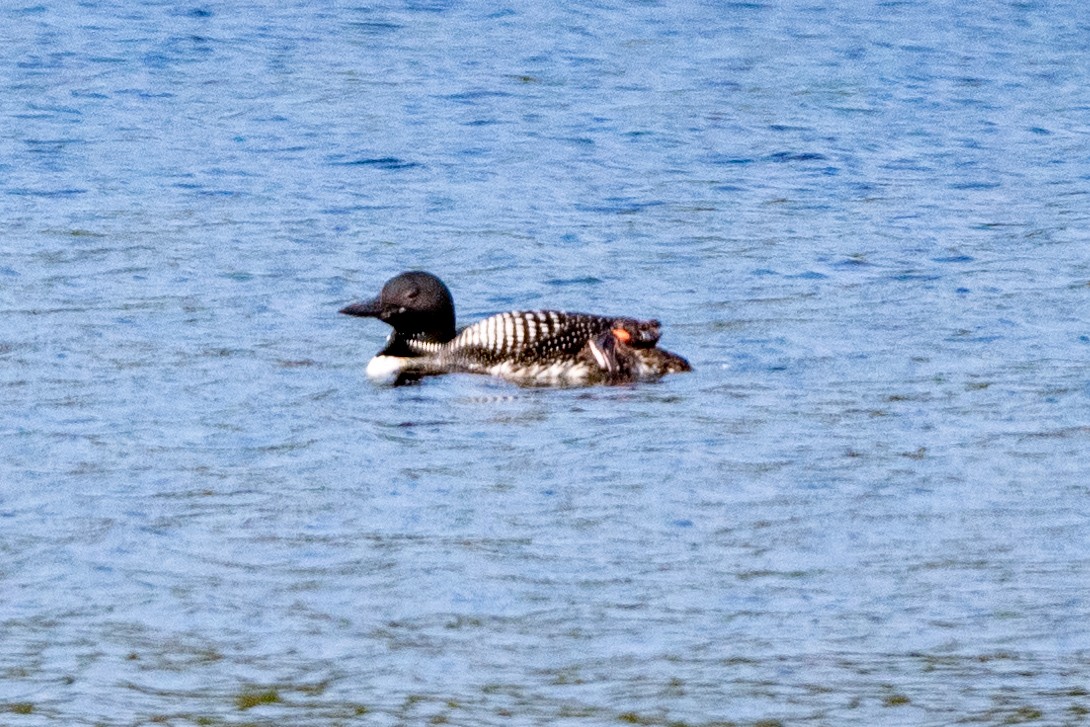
column 529, row 336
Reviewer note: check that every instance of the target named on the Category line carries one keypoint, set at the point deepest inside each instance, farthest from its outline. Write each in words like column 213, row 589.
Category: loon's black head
column 417, row 304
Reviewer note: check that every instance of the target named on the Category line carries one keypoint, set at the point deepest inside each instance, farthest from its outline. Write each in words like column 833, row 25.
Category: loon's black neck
column 433, row 326
column 400, row 344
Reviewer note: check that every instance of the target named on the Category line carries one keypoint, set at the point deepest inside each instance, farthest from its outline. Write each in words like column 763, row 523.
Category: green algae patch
column 249, row 700
column 1023, row 715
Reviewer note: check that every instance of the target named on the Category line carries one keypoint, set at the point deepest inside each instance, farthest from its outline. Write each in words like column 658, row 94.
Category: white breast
column 385, row 369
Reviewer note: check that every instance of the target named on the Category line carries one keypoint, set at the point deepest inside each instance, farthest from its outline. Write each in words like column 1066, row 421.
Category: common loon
column 531, row 348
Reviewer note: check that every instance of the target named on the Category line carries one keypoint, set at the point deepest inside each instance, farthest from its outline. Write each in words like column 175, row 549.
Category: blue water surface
column 866, row 225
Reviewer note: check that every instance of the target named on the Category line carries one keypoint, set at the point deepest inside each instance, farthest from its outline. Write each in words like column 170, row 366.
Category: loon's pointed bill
column 533, row 348
column 364, row 308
